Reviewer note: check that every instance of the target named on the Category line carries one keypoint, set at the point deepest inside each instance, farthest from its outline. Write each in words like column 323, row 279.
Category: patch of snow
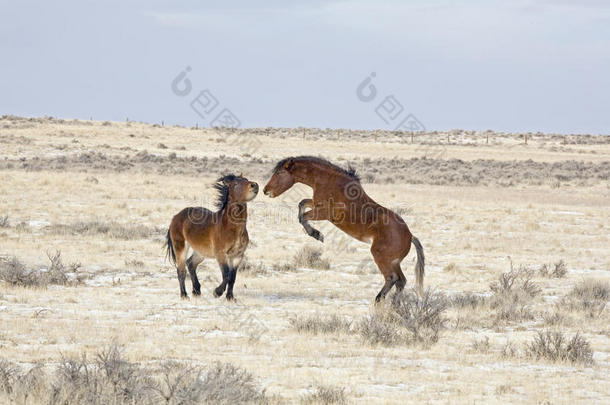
column 567, row 212
column 38, row 223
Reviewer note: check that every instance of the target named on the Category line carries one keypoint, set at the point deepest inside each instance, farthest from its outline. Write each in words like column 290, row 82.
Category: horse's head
column 238, row 188
column 281, row 180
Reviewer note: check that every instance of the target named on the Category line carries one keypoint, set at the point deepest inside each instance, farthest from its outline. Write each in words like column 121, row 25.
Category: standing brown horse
column 338, row 197
column 221, row 235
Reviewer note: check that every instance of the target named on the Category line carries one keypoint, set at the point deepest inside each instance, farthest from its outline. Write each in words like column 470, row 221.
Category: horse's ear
column 289, row 164
column 224, row 180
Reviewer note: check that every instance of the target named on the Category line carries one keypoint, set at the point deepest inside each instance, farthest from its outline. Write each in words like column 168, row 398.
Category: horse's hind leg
column 386, row 266
column 402, row 280
column 192, row 263
column 390, row 280
column 180, row 249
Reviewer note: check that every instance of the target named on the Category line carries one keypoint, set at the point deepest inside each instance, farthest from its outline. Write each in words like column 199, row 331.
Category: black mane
column 223, row 190
column 350, row 171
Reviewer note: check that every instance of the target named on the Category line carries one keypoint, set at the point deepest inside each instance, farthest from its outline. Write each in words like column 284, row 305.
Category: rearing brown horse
column 338, row 197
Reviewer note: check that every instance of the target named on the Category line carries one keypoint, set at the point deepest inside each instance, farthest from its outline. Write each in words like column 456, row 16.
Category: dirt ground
column 103, row 194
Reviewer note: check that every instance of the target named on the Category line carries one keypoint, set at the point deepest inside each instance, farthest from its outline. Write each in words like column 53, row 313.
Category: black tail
column 170, row 254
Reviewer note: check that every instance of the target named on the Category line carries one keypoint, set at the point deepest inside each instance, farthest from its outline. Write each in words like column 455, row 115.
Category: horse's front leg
column 235, row 262
column 311, row 231
column 226, row 271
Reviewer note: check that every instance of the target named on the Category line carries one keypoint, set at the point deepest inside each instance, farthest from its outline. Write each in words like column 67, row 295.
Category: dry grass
column 481, row 345
column 14, row 272
column 407, row 319
column 311, row 257
column 467, row 300
column 490, row 203
column 510, row 299
column 111, row 379
column 513, row 291
column 589, row 296
column 112, row 230
column 554, row 346
column 555, row 270
column 316, row 324
column 134, row 263
column 248, row 267
column 416, row 170
column 325, row 394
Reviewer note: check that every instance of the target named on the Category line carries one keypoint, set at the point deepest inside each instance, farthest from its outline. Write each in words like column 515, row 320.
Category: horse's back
column 190, row 218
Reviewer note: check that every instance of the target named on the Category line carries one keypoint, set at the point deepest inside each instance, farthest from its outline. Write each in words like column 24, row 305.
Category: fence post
column 487, row 139
column 526, row 138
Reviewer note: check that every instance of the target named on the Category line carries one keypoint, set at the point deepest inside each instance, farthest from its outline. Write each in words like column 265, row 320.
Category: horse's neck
column 307, row 175
column 310, row 174
column 235, row 214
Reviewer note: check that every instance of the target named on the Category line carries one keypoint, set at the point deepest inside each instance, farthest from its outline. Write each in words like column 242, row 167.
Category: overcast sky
column 520, row 65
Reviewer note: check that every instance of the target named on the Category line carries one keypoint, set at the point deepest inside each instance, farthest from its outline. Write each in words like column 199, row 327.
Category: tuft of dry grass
column 509, row 349
column 555, row 270
column 258, row 268
column 466, row 300
column 407, row 319
column 450, row 268
column 284, row 267
column 316, row 324
column 482, row 345
column 138, row 264
column 512, row 293
column 4, row 222
column 224, row 383
column 311, row 257
column 514, row 281
column 14, row 272
column 589, row 296
column 554, row 346
column 325, row 394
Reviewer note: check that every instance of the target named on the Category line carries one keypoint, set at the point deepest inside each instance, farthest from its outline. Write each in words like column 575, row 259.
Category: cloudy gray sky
column 506, row 65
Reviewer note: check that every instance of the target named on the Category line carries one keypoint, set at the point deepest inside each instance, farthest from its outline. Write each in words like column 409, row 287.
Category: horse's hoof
column 317, row 235
column 230, row 297
column 184, row 296
column 218, row 293
column 196, row 292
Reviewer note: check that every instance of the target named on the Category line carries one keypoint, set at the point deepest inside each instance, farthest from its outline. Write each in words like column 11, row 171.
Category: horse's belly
column 204, row 249
column 356, row 231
